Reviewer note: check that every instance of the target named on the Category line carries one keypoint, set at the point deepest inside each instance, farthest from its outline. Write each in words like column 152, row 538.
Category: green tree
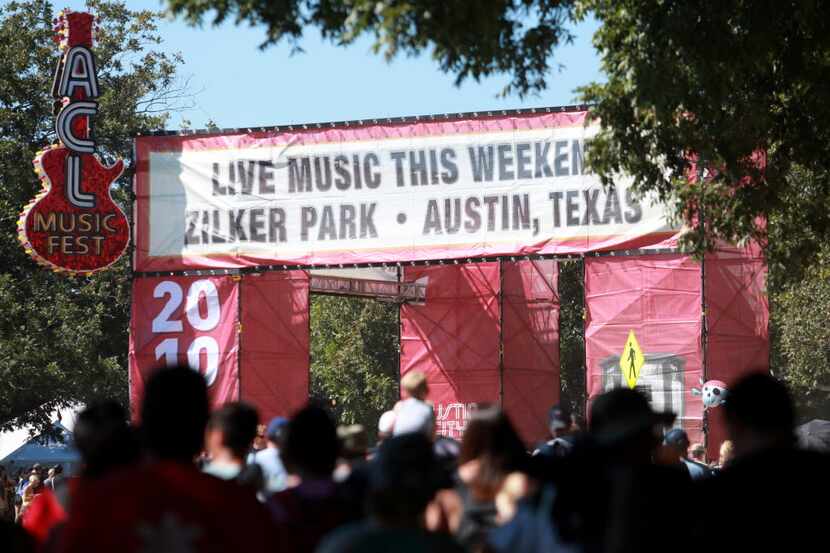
column 572, row 335
column 723, row 81
column 354, row 358
column 64, row 340
column 801, row 352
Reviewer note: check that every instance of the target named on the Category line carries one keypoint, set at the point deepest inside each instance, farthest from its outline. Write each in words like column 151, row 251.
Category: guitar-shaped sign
column 73, row 225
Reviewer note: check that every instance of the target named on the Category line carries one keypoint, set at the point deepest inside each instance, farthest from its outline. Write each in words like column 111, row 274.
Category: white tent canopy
column 21, row 448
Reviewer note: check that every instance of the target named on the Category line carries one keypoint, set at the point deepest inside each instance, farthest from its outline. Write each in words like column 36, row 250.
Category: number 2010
column 162, row 323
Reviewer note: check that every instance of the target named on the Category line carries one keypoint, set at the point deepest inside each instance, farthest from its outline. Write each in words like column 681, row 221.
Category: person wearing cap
column 677, row 441
column 269, row 460
column 560, row 425
column 611, row 495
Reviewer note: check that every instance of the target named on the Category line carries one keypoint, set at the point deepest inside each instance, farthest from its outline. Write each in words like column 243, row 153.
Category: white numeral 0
column 191, row 308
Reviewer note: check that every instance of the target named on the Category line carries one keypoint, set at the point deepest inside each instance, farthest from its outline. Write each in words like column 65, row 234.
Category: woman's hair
column 726, row 452
column 491, row 440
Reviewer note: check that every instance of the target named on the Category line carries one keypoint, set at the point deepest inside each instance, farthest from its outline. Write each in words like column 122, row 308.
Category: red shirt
column 166, row 506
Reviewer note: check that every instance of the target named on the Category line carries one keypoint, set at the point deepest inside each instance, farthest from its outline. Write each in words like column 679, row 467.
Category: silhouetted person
column 632, row 365
column 106, row 442
column 15, row 539
column 772, row 496
column 305, row 513
column 165, row 503
column 611, row 496
column 403, row 478
column 230, row 432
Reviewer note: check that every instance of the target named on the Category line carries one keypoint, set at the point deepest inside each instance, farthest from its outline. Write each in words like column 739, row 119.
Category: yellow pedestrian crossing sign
column 631, row 360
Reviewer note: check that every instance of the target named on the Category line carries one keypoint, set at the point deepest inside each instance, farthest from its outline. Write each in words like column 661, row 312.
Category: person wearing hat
column 269, row 459
column 561, row 427
column 677, row 441
column 611, row 495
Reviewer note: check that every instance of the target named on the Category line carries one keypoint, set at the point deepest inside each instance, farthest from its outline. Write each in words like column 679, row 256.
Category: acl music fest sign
column 73, row 225
column 382, row 192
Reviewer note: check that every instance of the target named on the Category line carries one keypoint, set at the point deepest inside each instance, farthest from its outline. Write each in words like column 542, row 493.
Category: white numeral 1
column 169, row 350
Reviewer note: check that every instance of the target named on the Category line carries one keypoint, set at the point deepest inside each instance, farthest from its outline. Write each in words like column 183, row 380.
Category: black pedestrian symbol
column 632, row 368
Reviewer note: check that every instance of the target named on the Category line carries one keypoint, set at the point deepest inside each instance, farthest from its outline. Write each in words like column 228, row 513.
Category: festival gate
column 472, row 210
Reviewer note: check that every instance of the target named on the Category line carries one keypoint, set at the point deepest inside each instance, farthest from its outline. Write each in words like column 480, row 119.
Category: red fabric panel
column 738, row 316
column 163, row 331
column 275, row 342
column 531, row 345
column 454, row 339
column 659, row 298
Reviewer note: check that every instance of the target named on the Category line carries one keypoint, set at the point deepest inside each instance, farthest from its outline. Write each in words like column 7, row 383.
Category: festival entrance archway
column 474, row 209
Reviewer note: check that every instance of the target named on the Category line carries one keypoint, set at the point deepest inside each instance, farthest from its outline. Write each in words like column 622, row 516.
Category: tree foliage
column 742, row 85
column 801, row 354
column 64, row 340
column 572, row 335
column 354, row 358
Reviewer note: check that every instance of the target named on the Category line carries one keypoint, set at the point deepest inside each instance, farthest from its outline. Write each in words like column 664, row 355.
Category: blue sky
column 239, row 85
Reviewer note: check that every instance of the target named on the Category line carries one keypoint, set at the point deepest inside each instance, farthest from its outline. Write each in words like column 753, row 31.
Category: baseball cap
column 276, row 428
column 676, row 436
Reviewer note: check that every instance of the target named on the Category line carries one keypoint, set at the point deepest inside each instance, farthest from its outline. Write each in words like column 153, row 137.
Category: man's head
column 174, row 414
column 759, row 414
column 403, row 478
column 104, row 439
column 697, row 452
column 623, row 422
column 260, row 440
column 678, row 441
column 275, row 431
column 354, row 442
column 414, row 384
column 560, row 421
column 231, row 431
column 311, row 444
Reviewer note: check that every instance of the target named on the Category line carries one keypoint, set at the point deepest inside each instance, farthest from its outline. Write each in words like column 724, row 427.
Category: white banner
column 241, row 200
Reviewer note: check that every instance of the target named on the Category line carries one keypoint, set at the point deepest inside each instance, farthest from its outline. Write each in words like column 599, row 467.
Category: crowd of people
column 18, row 488
column 187, row 480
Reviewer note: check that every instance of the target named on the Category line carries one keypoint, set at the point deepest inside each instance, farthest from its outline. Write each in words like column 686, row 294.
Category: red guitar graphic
column 73, row 225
